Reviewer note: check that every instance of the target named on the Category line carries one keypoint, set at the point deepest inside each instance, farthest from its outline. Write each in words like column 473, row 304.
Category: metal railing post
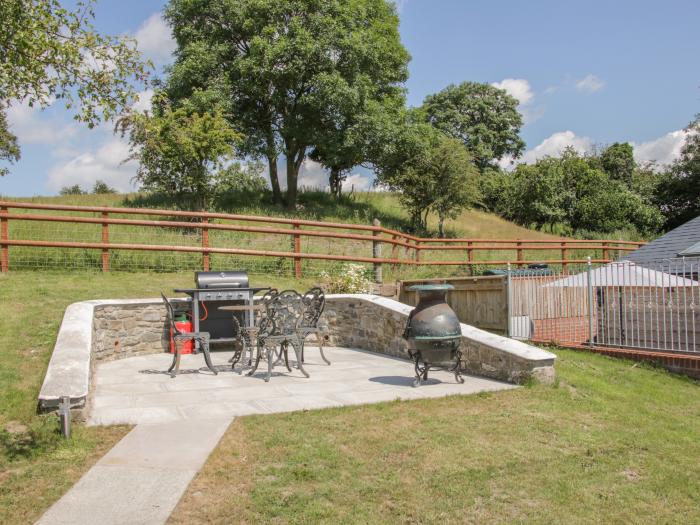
column 4, row 236
column 508, row 300
column 377, row 252
column 590, row 301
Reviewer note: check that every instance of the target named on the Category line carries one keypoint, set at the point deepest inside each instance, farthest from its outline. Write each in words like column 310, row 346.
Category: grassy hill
column 358, row 208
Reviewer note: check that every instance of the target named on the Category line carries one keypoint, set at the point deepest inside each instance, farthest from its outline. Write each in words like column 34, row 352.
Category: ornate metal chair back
column 313, row 302
column 283, row 314
column 170, row 314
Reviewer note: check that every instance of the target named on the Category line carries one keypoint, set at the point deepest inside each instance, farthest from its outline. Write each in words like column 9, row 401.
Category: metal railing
column 653, row 305
column 44, row 235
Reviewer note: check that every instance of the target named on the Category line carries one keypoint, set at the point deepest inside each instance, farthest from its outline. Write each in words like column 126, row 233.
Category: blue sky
column 585, row 73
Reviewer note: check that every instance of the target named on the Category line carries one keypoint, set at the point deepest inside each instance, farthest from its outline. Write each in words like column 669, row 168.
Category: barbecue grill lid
column 225, row 279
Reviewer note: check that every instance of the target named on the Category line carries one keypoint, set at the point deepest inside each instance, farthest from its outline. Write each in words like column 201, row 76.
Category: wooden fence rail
column 373, row 236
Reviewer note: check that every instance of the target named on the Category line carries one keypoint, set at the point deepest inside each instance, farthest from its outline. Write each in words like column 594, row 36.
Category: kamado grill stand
column 223, row 288
column 433, row 333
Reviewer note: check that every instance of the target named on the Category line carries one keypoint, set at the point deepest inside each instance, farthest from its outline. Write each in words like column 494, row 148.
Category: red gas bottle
column 187, row 346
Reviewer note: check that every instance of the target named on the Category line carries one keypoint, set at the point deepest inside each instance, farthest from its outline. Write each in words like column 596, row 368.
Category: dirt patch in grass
column 612, row 442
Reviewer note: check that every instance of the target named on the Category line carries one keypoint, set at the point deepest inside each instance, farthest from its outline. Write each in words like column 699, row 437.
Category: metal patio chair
column 279, row 328
column 313, row 302
column 180, row 337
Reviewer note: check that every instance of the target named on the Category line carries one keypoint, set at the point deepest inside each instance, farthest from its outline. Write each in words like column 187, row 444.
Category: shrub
column 352, row 278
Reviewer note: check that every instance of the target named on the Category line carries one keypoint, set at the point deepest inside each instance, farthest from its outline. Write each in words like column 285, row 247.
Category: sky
column 586, row 74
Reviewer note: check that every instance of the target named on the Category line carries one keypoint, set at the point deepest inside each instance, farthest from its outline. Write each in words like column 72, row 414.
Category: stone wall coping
column 68, row 372
column 505, row 344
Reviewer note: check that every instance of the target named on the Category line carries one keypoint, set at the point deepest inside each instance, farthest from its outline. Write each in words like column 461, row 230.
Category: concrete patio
column 137, row 391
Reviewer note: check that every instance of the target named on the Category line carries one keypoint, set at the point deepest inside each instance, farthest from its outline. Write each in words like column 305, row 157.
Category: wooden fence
column 402, row 249
column 477, row 301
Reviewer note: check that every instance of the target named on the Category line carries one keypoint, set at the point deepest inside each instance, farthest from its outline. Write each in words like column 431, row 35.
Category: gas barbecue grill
column 216, row 289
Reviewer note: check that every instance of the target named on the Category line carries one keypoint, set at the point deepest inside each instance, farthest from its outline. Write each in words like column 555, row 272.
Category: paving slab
column 137, row 390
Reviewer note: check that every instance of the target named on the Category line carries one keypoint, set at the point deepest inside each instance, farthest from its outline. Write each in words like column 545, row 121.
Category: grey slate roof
column 668, row 246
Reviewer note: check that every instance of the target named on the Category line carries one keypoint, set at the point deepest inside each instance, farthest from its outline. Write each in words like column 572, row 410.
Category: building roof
column 676, row 243
column 623, row 273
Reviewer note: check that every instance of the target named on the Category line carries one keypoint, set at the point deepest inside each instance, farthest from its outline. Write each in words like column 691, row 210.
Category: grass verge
column 36, row 465
column 610, row 442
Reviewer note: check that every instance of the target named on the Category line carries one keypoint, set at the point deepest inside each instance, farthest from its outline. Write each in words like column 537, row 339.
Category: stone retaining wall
column 94, row 331
column 377, row 324
column 127, row 329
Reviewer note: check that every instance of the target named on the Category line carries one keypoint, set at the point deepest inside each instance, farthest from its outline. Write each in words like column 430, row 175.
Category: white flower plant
column 352, row 278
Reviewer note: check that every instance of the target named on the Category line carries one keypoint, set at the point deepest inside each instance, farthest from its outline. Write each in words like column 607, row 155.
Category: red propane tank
column 187, row 346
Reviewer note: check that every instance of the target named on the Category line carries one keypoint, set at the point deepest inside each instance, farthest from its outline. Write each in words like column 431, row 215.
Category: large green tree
column 9, row 150
column 181, row 153
column 431, row 171
column 285, row 69
column 49, row 52
column 679, row 194
column 483, row 117
column 569, row 194
column 350, row 139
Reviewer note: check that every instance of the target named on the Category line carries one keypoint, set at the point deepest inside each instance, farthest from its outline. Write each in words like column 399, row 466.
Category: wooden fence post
column 519, row 253
column 296, row 247
column 205, row 244
column 4, row 236
column 564, row 252
column 377, row 252
column 417, row 252
column 470, row 257
column 394, row 250
column 606, row 253
column 105, row 240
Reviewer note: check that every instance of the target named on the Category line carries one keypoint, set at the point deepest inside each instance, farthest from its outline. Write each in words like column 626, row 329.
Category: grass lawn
column 610, row 442
column 37, row 466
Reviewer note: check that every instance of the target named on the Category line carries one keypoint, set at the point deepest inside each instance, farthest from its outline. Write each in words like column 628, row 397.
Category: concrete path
column 180, row 420
column 142, row 478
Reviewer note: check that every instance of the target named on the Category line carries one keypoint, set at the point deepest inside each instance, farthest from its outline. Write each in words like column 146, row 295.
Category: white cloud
column 590, row 84
column 103, row 163
column 552, row 146
column 143, row 102
column 32, row 127
column 360, row 182
column 663, row 150
column 312, row 175
column 518, row 88
column 155, row 40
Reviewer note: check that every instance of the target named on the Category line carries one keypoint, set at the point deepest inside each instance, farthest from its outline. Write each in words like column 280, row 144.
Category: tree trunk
column 441, row 225
column 292, row 178
column 274, row 179
column 335, row 182
column 294, row 160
